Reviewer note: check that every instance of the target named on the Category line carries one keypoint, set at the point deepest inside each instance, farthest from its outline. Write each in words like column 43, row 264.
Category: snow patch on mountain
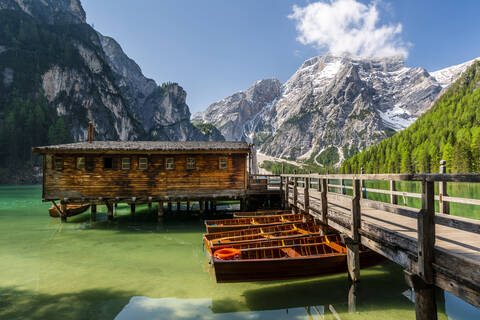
column 448, row 75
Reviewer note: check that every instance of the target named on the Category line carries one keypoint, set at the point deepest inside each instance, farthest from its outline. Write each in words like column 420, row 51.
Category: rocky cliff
column 91, row 78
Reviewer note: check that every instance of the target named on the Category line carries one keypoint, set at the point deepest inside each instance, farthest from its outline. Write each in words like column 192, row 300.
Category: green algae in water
column 135, row 268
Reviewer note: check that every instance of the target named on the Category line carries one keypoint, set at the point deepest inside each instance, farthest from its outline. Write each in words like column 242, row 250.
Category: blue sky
column 214, row 48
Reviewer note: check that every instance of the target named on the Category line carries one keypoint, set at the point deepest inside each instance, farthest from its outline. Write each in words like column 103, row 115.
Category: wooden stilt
column 242, row 204
column 109, row 211
column 160, row 209
column 425, row 301
column 63, row 213
column 352, row 298
column 169, row 206
column 132, row 208
column 201, row 205
column 178, row 206
column 93, row 212
column 188, row 206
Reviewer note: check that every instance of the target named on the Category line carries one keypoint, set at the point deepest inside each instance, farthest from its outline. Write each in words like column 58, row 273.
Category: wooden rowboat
column 260, row 213
column 72, row 210
column 260, row 234
column 245, row 223
column 289, row 262
column 334, row 240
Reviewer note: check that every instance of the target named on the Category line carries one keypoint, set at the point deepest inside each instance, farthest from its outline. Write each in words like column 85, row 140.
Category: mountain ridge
column 340, row 102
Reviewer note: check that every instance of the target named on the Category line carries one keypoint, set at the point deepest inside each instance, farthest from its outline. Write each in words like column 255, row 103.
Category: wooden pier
column 434, row 248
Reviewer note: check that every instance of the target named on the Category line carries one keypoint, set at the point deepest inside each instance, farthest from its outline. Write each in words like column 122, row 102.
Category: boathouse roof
column 144, row 146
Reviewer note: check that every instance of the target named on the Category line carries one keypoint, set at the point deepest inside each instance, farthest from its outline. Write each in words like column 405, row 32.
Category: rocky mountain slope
column 449, row 130
column 231, row 114
column 334, row 106
column 103, row 84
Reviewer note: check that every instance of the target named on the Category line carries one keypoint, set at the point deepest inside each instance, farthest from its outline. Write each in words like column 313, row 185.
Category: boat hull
column 287, row 268
column 72, row 210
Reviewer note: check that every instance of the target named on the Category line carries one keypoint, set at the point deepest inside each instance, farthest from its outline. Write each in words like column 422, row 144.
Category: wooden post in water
column 63, row 208
column 169, row 206
column 149, row 204
column 353, row 243
column 160, row 209
column 178, row 206
column 201, row 205
column 243, row 203
column 425, row 304
column 132, row 208
column 306, row 195
column 93, row 212
column 442, row 190
column 393, row 197
column 109, row 211
column 188, row 206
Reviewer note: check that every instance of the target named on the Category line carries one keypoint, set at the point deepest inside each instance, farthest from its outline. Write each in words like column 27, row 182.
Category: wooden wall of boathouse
column 94, row 181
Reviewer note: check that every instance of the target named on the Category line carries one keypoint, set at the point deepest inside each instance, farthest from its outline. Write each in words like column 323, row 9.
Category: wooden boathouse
column 111, row 172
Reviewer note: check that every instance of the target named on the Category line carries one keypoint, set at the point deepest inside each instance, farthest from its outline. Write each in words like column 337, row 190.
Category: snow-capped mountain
column 340, row 102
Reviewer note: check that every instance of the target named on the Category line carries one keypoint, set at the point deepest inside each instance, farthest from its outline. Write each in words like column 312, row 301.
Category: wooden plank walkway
column 449, row 255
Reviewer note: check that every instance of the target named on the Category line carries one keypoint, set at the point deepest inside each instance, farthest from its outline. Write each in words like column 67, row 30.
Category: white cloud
column 348, row 27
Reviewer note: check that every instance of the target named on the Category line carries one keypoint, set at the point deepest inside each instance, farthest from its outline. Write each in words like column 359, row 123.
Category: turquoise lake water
column 136, row 268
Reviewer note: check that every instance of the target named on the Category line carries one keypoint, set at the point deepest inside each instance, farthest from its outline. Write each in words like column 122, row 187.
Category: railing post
column 282, row 198
column 295, row 193
column 287, row 192
column 344, row 190
column 353, row 244
column 306, row 195
column 442, row 190
column 425, row 304
column 393, row 197
column 324, row 202
column 364, row 189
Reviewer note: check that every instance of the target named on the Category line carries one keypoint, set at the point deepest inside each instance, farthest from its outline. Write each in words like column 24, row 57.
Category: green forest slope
column 450, row 130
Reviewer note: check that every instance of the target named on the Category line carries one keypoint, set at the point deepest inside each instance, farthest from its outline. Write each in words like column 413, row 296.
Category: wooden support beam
column 109, row 211
column 160, row 209
column 201, row 205
column 352, row 298
column 425, row 303
column 306, row 196
column 93, row 212
column 243, row 204
column 132, row 208
column 353, row 244
column 426, row 232
column 169, row 206
column 444, row 206
column 423, row 284
column 178, row 206
column 188, row 206
column 63, row 211
column 393, row 197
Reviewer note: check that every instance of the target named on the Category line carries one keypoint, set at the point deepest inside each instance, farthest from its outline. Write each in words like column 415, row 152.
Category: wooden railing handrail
column 429, row 177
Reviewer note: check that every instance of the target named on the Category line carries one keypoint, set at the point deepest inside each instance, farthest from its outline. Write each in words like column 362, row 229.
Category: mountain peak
column 49, row 11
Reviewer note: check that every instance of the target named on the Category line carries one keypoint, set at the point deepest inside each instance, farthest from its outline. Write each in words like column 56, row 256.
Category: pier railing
column 359, row 205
